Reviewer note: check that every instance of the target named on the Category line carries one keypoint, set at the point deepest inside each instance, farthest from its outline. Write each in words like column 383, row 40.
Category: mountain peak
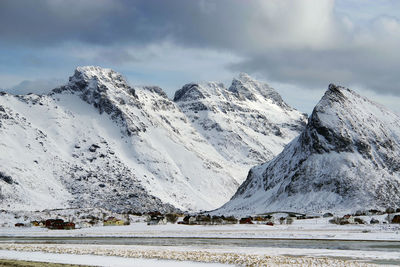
column 347, row 158
column 190, row 91
column 244, row 77
column 336, row 93
column 106, row 90
column 196, row 91
column 345, row 121
column 244, row 87
column 339, row 99
column 97, row 79
column 94, row 71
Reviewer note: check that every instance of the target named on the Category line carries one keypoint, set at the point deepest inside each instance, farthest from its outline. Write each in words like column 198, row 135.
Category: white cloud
column 294, row 24
column 35, row 86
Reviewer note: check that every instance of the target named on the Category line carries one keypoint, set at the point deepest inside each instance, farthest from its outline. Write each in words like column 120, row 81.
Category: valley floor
column 125, row 255
column 318, row 228
column 305, row 242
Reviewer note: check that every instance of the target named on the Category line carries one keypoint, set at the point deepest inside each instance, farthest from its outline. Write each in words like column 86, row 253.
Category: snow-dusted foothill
column 99, row 142
column 347, row 159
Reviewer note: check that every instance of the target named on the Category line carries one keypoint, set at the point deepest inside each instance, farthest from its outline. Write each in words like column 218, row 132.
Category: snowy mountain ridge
column 245, row 87
column 247, row 123
column 97, row 141
column 347, row 158
column 106, row 90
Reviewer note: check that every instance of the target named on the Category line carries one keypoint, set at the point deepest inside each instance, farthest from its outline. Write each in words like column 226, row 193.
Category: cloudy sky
column 297, row 46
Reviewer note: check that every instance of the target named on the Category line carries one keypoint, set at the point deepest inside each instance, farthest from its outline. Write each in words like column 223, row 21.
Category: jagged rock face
column 248, row 123
column 99, row 142
column 346, row 159
column 108, row 91
column 246, row 88
column 189, row 92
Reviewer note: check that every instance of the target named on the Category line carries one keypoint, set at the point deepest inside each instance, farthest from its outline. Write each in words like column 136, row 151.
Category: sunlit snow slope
column 98, row 142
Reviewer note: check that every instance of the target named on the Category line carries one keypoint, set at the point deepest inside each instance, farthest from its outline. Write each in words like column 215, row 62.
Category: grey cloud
column 301, row 42
column 113, row 21
column 116, row 56
column 45, row 22
column 316, row 69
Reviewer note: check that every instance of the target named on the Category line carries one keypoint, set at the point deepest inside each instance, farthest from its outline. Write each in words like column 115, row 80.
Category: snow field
column 232, row 258
column 318, row 228
column 96, row 260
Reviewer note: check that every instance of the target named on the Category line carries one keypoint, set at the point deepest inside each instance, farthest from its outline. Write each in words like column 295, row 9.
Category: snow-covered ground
column 301, row 229
column 97, row 260
column 307, row 242
column 189, row 255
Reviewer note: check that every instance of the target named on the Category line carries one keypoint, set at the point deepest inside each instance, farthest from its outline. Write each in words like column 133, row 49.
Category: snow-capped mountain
column 98, row 142
column 248, row 123
column 347, row 158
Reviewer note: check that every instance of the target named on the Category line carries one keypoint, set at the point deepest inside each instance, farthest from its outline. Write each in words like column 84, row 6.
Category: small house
column 217, row 220
column 203, row 219
column 112, row 221
column 59, row 224
column 348, row 218
column 290, row 220
column 229, row 220
column 153, row 221
column 158, row 219
column 69, row 226
column 86, row 224
column 35, row 223
column 246, row 220
column 192, row 220
column 186, row 219
column 374, row 221
column 54, row 223
column 263, row 219
column 396, row 219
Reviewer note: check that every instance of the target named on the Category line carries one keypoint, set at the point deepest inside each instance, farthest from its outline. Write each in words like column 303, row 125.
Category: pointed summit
column 198, row 91
column 190, row 91
column 345, row 121
column 336, row 94
column 244, row 87
column 97, row 79
column 244, row 77
column 106, row 90
column 90, row 72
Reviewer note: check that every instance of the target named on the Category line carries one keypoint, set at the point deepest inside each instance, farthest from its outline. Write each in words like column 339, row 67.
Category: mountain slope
column 248, row 123
column 97, row 141
column 347, row 158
